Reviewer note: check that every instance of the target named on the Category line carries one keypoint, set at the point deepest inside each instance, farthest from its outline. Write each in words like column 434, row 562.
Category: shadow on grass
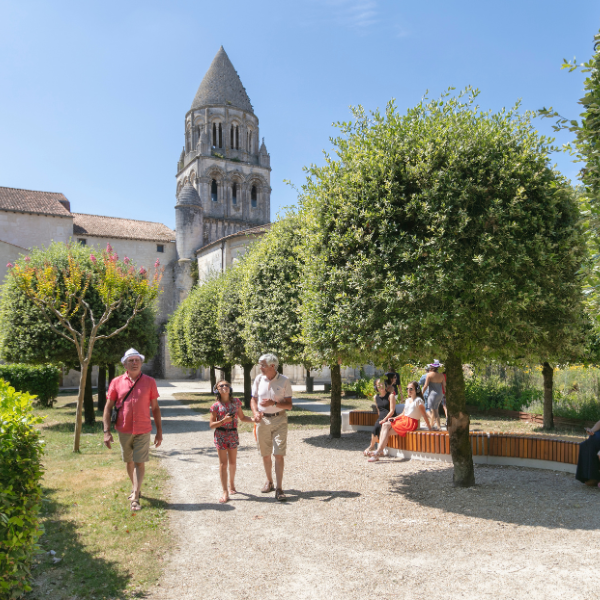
column 67, row 427
column 79, row 571
column 314, row 419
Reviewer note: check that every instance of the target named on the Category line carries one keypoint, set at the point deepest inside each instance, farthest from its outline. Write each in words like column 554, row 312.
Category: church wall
column 8, row 253
column 29, row 230
column 209, row 261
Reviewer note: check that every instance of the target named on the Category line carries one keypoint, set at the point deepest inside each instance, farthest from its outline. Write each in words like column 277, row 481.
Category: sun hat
column 435, row 364
column 131, row 352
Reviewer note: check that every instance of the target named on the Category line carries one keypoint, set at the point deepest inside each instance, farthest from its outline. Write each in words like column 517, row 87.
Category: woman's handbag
column 114, row 415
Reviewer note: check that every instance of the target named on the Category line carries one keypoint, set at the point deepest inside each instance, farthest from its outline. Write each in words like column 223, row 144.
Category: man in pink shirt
column 134, row 395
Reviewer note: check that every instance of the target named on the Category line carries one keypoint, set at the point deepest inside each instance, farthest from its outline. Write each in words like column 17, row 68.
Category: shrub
column 492, row 393
column 39, row 380
column 364, row 387
column 20, row 490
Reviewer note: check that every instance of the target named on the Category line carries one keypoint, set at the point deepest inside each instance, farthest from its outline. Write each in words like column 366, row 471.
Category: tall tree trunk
column 101, row 388
column 335, row 421
column 548, row 374
column 213, row 378
column 458, row 423
column 88, row 400
column 247, row 384
column 79, row 417
column 111, row 373
column 227, row 373
column 310, row 382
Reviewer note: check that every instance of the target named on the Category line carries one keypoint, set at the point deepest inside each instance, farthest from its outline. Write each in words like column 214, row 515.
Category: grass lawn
column 297, row 418
column 105, row 550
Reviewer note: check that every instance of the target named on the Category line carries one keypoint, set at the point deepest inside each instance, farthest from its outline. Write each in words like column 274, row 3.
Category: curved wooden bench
column 488, row 448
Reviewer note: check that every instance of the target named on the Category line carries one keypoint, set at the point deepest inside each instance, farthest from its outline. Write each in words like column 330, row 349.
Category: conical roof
column 222, row 85
column 188, row 195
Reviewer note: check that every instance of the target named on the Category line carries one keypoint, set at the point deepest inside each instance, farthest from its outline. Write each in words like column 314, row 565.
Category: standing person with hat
column 271, row 399
column 134, row 395
column 436, row 384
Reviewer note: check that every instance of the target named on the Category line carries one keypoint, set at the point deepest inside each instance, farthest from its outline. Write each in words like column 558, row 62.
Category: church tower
column 222, row 161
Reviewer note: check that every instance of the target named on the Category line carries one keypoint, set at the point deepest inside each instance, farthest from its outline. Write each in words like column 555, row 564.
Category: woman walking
column 409, row 420
column 385, row 400
column 224, row 415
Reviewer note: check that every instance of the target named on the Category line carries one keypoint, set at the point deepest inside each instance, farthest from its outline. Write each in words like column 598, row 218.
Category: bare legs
column 136, row 473
column 386, row 429
column 227, row 457
column 279, row 464
column 374, row 440
column 434, row 415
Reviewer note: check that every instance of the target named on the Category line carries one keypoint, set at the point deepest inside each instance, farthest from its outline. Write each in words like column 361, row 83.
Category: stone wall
column 8, row 253
column 28, row 230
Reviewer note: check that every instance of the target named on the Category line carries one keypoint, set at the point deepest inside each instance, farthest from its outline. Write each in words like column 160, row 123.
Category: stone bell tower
column 224, row 172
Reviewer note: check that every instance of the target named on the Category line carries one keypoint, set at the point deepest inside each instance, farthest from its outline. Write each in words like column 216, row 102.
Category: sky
column 93, row 94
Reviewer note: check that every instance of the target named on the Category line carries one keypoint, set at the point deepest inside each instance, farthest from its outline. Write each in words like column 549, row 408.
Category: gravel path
column 354, row 530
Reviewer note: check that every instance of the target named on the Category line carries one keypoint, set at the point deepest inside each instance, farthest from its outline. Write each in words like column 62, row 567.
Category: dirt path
column 355, row 530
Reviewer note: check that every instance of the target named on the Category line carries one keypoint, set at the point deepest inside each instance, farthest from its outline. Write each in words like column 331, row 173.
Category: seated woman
column 409, row 420
column 385, row 399
column 588, row 465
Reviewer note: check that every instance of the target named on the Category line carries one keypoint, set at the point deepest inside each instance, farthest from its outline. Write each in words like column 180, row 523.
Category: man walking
column 271, row 398
column 134, row 395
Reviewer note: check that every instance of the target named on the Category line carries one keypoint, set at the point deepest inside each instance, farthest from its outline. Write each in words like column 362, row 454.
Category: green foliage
column 26, row 334
column 442, row 230
column 39, row 380
column 492, row 393
column 364, row 387
column 192, row 332
column 20, row 490
column 271, row 293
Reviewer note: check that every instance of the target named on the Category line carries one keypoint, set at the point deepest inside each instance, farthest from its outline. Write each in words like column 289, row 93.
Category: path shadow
column 509, row 495
column 82, row 571
column 349, row 442
column 295, row 495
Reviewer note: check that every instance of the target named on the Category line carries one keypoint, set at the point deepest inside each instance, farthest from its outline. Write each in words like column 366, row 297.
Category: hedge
column 20, row 490
column 39, row 380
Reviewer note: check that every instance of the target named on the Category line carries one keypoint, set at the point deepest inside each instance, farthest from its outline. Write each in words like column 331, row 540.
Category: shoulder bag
column 114, row 415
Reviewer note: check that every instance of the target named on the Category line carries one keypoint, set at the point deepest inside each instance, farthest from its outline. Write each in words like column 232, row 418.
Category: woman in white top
column 414, row 410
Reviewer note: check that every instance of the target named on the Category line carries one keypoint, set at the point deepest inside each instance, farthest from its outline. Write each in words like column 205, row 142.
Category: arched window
column 214, row 140
column 234, row 193
column 231, row 138
column 213, row 191
column 253, row 197
column 237, row 137
column 220, row 136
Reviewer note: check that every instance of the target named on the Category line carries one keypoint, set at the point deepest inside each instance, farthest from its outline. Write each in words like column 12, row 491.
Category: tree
column 27, row 335
column 230, row 325
column 441, row 232
column 78, row 296
column 192, row 331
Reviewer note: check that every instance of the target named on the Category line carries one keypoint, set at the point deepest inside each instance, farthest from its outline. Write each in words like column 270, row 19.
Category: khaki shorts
column 135, row 448
column 271, row 435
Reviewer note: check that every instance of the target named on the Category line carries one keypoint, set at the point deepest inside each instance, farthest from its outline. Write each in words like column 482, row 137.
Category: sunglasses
column 223, row 386
column 410, row 389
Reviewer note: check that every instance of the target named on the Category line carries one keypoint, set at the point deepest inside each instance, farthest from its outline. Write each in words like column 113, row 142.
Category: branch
column 136, row 310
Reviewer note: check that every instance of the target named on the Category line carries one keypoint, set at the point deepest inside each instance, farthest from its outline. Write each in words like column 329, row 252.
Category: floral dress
column 226, row 436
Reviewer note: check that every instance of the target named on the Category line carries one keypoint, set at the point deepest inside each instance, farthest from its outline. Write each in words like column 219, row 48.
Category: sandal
column 135, row 506
column 223, row 499
column 279, row 495
column 132, row 497
column 374, row 458
column 368, row 451
column 232, row 491
column 268, row 487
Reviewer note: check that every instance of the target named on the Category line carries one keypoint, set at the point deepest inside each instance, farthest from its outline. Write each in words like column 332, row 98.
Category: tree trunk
column 247, row 385
column 88, row 400
column 227, row 373
column 101, row 388
column 548, row 374
column 310, row 382
column 213, row 378
column 458, row 423
column 111, row 373
column 79, row 418
column 335, row 421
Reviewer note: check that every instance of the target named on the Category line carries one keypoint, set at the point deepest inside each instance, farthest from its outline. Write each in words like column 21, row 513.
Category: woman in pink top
column 414, row 410
column 224, row 415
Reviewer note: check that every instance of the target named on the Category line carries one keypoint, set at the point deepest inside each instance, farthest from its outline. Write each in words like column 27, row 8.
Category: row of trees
column 444, row 231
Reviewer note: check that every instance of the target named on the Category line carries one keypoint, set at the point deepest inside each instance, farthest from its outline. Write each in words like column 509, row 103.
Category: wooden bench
column 488, row 448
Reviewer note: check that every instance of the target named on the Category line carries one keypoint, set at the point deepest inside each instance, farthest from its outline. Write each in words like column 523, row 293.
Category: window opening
column 160, row 248
column 82, row 241
column 237, row 137
column 234, row 193
column 213, row 191
column 220, row 136
column 253, row 197
column 214, row 140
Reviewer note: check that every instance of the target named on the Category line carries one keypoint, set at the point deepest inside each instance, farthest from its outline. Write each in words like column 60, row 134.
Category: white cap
column 131, row 352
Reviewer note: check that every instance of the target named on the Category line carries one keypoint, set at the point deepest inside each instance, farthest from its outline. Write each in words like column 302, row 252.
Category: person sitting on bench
column 409, row 420
column 588, row 465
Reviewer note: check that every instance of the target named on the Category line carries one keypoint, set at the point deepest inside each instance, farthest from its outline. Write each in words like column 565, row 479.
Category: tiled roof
column 222, row 85
column 257, row 230
column 29, row 201
column 126, row 229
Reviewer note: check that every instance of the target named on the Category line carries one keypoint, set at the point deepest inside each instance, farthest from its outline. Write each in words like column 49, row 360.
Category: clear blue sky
column 93, row 94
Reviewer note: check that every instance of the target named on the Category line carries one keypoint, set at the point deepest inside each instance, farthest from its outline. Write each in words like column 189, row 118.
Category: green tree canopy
column 445, row 232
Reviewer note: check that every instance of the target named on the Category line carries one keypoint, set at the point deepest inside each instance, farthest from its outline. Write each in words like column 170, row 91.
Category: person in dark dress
column 385, row 399
column 588, row 465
